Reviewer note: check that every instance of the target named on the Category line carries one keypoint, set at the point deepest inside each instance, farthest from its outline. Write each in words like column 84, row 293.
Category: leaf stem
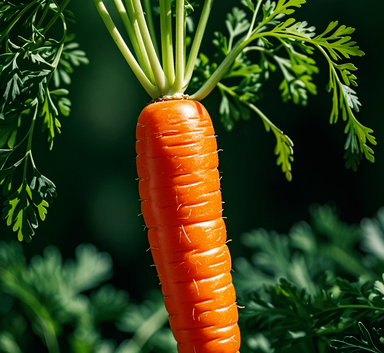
column 30, row 133
column 113, row 31
column 211, row 83
column 286, row 153
column 265, row 21
column 241, row 44
column 15, row 288
column 166, row 40
column 151, row 26
column 46, row 9
column 197, row 41
column 10, row 26
column 146, row 330
column 254, row 18
column 279, row 135
column 180, row 62
column 267, row 123
column 50, row 336
column 29, row 144
column 350, row 306
column 153, row 58
column 56, row 16
column 135, row 37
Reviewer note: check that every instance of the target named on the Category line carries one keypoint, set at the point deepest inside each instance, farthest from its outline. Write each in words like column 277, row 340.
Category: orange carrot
column 181, row 203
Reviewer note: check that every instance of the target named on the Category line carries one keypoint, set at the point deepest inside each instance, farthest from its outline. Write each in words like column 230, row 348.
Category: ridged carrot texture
column 180, row 195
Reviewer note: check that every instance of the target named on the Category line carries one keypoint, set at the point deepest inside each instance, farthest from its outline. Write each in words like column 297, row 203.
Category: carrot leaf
column 70, row 57
column 286, row 310
column 272, row 10
column 52, row 291
column 368, row 342
column 239, row 100
column 32, row 69
column 287, row 45
column 335, row 44
column 20, row 207
column 237, row 24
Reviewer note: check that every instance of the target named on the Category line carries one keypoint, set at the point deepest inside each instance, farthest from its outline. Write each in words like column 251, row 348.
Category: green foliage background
column 93, row 161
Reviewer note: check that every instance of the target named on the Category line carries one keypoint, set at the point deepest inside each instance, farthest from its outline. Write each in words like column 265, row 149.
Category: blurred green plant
column 305, row 291
column 318, row 289
column 66, row 304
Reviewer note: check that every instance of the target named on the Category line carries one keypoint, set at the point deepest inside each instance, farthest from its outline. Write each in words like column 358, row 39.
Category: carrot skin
column 179, row 187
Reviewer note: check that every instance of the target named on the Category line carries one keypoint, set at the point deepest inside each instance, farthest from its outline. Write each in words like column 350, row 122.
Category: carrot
column 177, row 151
column 181, row 203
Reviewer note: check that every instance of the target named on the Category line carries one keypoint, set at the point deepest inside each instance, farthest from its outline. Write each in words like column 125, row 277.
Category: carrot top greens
column 260, row 27
column 34, row 66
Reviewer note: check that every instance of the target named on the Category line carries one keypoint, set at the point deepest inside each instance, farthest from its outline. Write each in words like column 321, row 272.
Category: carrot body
column 181, row 203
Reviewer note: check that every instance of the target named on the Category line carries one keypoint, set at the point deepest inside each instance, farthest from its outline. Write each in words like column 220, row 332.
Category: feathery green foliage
column 67, row 304
column 33, row 68
column 286, row 45
column 300, row 292
column 306, row 291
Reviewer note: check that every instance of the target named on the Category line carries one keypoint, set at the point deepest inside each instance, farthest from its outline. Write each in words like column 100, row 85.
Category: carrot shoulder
column 181, row 203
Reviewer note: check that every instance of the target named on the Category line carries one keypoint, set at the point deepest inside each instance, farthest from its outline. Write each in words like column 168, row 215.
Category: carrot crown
column 167, row 74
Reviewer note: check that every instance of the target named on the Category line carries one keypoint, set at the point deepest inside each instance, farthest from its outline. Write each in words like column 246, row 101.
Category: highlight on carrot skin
column 182, row 207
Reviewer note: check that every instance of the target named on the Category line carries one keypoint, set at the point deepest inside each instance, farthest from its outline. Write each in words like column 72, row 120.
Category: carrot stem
column 197, row 41
column 180, row 62
column 241, row 44
column 138, row 36
column 136, row 40
column 167, row 40
column 153, row 58
column 113, row 31
column 151, row 26
column 211, row 83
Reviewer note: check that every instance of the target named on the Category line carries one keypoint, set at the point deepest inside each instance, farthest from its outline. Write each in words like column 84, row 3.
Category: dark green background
column 93, row 161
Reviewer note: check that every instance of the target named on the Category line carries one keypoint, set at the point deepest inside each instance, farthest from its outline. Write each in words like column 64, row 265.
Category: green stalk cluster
column 172, row 75
column 167, row 74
